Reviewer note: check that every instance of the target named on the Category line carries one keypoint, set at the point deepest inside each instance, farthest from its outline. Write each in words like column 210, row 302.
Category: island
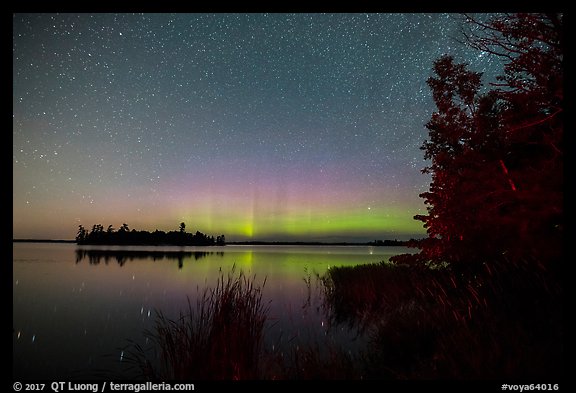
column 125, row 236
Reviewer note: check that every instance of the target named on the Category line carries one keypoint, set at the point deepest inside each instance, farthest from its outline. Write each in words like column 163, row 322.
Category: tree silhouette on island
column 125, row 236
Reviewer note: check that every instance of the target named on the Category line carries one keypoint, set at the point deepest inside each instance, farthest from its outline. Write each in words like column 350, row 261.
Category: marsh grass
column 415, row 323
column 435, row 323
column 358, row 294
column 320, row 361
column 219, row 338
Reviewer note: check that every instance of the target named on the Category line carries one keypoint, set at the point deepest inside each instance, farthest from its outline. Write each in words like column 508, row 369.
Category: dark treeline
column 42, row 241
column 125, row 236
column 376, row 243
column 390, row 243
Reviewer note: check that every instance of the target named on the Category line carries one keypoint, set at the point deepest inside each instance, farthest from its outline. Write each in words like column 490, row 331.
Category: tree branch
column 505, row 171
column 536, row 122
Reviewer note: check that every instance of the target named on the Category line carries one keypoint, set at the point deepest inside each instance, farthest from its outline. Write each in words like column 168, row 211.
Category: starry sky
column 257, row 126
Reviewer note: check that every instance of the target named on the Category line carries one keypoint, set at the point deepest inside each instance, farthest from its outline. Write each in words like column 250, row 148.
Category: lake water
column 75, row 309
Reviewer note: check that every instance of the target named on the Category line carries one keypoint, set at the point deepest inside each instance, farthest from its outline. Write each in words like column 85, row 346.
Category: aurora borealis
column 257, row 126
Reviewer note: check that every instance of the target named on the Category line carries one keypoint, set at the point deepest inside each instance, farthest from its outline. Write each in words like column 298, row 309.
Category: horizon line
column 240, row 242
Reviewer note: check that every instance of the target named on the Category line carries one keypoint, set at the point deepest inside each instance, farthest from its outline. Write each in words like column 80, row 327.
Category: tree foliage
column 497, row 155
column 125, row 236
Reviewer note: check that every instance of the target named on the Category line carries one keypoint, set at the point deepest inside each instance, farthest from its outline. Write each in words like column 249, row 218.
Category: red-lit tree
column 497, row 157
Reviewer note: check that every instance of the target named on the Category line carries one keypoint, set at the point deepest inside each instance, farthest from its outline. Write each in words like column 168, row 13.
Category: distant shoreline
column 42, row 241
column 385, row 243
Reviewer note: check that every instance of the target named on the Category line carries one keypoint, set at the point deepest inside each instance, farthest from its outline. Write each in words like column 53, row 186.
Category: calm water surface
column 76, row 308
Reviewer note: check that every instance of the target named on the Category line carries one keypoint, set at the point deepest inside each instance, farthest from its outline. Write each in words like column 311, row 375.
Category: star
column 225, row 121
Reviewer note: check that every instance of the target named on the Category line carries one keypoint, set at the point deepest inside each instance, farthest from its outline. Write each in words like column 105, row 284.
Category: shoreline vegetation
column 125, row 236
column 419, row 324
column 220, row 338
column 376, row 243
column 43, row 241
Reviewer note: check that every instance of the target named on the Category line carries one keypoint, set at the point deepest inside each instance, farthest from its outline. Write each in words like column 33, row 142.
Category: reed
column 219, row 338
column 436, row 323
column 417, row 323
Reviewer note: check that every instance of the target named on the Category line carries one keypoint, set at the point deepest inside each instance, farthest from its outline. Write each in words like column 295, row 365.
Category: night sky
column 257, row 126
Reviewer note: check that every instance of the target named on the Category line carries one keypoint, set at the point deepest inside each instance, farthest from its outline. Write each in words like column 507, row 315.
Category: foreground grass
column 420, row 324
column 434, row 323
column 220, row 338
